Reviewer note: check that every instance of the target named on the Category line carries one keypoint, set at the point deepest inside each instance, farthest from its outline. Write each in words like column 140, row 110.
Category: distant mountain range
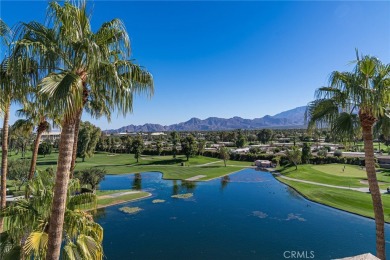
column 293, row 118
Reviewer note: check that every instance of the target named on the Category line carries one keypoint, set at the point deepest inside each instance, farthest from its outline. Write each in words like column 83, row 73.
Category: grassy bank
column 334, row 174
column 348, row 200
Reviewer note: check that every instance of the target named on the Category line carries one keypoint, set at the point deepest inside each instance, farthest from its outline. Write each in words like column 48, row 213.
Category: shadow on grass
column 211, row 166
column 47, row 163
column 286, row 170
column 164, row 162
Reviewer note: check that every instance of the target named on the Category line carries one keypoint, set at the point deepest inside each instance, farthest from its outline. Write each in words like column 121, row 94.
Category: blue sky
column 226, row 59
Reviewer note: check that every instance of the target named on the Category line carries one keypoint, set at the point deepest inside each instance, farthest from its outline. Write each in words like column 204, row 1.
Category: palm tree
column 27, row 223
column 99, row 101
column 80, row 68
column 20, row 136
column 15, row 74
column 36, row 115
column 365, row 91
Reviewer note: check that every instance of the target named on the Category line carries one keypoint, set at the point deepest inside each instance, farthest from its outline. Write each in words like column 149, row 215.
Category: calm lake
column 248, row 215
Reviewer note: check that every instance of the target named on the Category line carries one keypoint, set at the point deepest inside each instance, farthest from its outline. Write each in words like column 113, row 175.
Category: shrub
column 45, row 148
column 338, row 153
column 322, row 153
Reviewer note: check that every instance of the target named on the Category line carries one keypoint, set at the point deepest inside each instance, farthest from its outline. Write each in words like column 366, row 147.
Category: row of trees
column 61, row 68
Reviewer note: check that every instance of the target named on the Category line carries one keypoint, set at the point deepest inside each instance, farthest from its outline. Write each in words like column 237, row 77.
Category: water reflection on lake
column 247, row 215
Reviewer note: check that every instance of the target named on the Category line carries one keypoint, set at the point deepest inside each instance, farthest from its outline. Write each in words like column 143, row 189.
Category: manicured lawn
column 337, row 169
column 333, row 174
column 309, row 173
column 352, row 201
column 234, row 163
column 171, row 168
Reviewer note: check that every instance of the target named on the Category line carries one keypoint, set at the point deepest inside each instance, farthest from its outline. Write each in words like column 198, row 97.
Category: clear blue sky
column 226, row 59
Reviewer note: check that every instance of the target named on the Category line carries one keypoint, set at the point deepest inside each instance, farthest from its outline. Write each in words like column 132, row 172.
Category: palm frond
column 89, row 248
column 65, row 89
column 36, row 243
column 84, row 200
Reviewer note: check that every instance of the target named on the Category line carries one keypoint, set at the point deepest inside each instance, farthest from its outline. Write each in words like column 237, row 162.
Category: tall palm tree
column 15, row 74
column 366, row 91
column 80, row 68
column 37, row 115
column 98, row 100
column 28, row 223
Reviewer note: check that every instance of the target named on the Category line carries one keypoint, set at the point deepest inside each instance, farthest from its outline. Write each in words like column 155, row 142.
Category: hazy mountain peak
column 286, row 119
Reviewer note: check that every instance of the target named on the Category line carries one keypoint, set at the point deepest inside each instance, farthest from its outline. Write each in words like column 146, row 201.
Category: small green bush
column 338, row 153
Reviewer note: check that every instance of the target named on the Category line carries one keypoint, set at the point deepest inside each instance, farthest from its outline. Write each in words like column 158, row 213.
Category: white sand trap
column 197, row 177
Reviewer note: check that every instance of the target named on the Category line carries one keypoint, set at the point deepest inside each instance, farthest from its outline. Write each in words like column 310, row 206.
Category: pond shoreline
column 273, row 172
column 124, row 201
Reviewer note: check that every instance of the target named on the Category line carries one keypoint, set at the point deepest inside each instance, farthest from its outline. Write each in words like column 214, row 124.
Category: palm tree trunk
column 367, row 122
column 35, row 153
column 76, row 139
column 60, row 191
column 4, row 162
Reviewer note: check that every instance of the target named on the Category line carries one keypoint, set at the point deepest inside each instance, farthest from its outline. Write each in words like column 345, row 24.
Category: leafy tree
column 138, row 147
column 241, row 140
column 359, row 96
column 224, row 154
column 188, row 146
column 18, row 172
column 20, row 137
column 127, row 142
column 322, row 152
column 306, row 152
column 45, row 148
column 255, row 150
column 88, row 138
column 294, row 155
column 28, row 220
column 265, row 135
column 201, row 147
column 159, row 147
column 175, row 140
column 91, row 176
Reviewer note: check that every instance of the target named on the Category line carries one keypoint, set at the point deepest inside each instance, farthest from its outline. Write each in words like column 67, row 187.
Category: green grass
column 104, row 202
column 351, row 201
column 309, row 173
column 112, row 161
column 337, row 170
column 171, row 168
column 184, row 172
column 333, row 174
